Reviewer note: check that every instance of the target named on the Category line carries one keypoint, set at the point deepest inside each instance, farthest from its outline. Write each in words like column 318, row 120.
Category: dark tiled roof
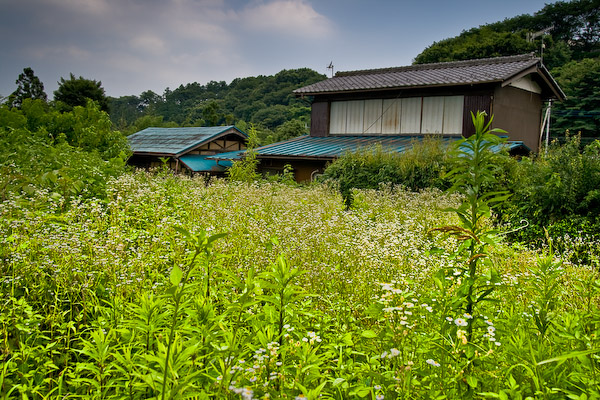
column 469, row 72
column 331, row 147
column 175, row 141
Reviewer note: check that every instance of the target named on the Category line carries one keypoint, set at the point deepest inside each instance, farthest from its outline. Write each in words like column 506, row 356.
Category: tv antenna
column 533, row 35
column 330, row 66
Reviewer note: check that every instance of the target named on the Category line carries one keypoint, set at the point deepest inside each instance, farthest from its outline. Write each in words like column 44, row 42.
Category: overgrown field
column 139, row 296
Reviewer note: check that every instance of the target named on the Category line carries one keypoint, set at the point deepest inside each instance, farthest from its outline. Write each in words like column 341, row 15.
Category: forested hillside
column 265, row 101
column 570, row 49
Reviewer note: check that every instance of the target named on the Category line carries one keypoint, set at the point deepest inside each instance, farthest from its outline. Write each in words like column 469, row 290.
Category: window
column 411, row 115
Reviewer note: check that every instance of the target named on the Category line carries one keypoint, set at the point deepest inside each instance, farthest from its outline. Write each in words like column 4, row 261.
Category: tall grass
column 139, row 296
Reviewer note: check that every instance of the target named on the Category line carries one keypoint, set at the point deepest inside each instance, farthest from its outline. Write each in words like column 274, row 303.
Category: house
column 186, row 149
column 393, row 106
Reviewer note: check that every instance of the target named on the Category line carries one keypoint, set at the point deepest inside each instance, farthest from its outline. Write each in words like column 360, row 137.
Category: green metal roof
column 331, row 147
column 200, row 163
column 176, row 141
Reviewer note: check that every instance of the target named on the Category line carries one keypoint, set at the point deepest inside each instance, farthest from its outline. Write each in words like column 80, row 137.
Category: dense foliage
column 75, row 92
column 265, row 101
column 580, row 112
column 29, row 86
column 130, row 298
column 575, row 34
column 571, row 51
column 68, row 154
column 421, row 166
column 556, row 194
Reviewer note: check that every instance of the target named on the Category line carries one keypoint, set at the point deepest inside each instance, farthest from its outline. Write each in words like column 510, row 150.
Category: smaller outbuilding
column 186, row 149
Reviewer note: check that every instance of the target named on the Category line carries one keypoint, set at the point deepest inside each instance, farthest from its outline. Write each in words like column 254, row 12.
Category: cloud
column 148, row 44
column 57, row 52
column 92, row 7
column 286, row 17
column 125, row 43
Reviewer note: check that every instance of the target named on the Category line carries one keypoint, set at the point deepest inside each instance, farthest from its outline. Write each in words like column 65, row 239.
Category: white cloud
column 286, row 17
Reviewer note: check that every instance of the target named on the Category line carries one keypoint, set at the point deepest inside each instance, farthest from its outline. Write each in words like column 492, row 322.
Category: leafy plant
column 244, row 170
column 421, row 166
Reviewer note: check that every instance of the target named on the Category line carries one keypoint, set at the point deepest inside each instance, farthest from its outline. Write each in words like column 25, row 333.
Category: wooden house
column 186, row 149
column 394, row 105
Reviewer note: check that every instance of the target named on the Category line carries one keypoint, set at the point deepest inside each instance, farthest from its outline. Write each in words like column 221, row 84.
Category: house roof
column 471, row 72
column 331, row 147
column 200, row 163
column 177, row 141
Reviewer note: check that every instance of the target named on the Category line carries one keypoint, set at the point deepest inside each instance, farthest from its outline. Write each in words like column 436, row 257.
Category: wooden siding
column 319, row 119
column 518, row 112
column 219, row 146
column 474, row 103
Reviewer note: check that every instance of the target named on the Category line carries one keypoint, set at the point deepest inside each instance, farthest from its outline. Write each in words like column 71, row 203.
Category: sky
column 136, row 45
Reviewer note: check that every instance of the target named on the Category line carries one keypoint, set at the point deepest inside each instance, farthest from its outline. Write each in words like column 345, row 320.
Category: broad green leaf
column 472, row 381
column 369, row 334
column 175, row 276
column 338, row 382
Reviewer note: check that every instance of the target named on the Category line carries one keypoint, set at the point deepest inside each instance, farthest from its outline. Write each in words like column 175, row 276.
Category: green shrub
column 244, row 170
column 561, row 181
column 68, row 154
column 556, row 195
column 422, row 165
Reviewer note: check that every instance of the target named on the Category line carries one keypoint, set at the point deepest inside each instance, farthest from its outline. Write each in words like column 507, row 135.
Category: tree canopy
column 29, row 86
column 573, row 33
column 74, row 92
column 267, row 102
column 580, row 80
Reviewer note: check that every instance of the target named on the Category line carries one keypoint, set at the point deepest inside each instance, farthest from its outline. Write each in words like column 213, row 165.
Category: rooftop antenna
column 330, row 66
column 533, row 35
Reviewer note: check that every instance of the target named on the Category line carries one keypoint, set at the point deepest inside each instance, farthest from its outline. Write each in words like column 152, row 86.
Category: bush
column 421, row 166
column 68, row 154
column 562, row 181
column 556, row 196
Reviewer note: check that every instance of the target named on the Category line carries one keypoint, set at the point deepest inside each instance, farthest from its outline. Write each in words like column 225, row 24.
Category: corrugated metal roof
column 331, row 147
column 498, row 69
column 176, row 141
column 200, row 163
column 230, row 155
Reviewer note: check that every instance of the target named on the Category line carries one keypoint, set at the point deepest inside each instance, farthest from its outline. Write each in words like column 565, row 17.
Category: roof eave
column 392, row 88
column 153, row 154
column 296, row 157
column 539, row 69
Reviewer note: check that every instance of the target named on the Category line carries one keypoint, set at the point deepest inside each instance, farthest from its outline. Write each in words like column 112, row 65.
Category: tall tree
column 580, row 113
column 573, row 33
column 29, row 86
column 76, row 91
